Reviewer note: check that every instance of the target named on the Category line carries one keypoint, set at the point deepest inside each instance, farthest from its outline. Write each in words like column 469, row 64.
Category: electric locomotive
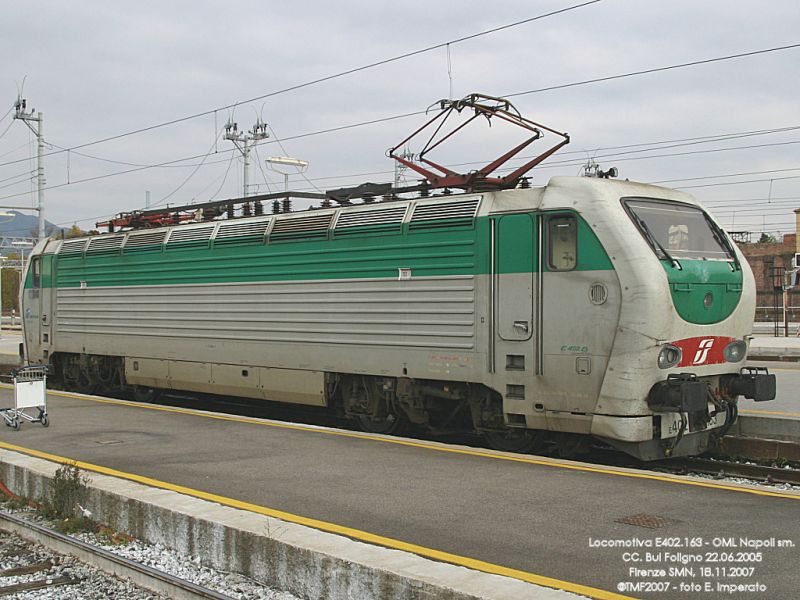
column 587, row 308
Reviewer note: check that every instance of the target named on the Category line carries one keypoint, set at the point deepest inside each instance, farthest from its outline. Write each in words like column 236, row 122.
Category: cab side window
column 36, row 278
column 562, row 242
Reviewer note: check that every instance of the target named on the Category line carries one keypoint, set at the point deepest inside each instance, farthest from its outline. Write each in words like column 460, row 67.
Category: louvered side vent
column 146, row 240
column 239, row 231
column 444, row 214
column 307, row 227
column 105, row 243
column 366, row 221
column 73, row 247
column 190, row 235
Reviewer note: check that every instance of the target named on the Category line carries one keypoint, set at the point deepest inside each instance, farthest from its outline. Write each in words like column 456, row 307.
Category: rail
column 141, row 575
column 724, row 468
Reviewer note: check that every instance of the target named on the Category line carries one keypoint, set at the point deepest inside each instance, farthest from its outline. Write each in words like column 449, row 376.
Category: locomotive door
column 513, row 289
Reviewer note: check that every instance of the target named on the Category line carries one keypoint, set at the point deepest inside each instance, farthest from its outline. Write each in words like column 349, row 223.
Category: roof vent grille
column 105, row 243
column 384, row 219
column 229, row 232
column 72, row 247
column 314, row 226
column 185, row 235
column 444, row 214
column 145, row 240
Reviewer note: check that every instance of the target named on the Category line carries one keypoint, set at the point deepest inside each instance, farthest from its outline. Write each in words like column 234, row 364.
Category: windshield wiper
column 654, row 242
column 722, row 240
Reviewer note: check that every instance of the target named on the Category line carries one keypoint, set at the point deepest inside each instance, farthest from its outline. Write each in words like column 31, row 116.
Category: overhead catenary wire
column 132, row 170
column 553, row 164
column 23, row 175
column 190, row 175
column 415, row 113
column 374, row 121
column 740, row 174
column 693, row 63
column 620, row 157
column 560, row 86
column 5, row 131
column 721, row 183
column 333, row 76
column 126, row 163
column 8, row 112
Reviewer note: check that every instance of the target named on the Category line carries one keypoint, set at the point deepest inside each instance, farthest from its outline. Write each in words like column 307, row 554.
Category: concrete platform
column 775, row 348
column 538, row 520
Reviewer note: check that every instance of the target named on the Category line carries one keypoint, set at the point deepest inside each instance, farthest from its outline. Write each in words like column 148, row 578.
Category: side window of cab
column 36, row 273
column 562, row 242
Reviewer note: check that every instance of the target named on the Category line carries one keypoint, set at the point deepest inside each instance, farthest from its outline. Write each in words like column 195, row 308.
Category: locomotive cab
column 693, row 299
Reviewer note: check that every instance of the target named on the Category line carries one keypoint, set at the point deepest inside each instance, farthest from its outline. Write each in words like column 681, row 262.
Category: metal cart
column 30, row 393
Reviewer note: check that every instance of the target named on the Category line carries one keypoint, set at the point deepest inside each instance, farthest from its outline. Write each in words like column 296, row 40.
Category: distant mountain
column 24, row 225
column 21, row 225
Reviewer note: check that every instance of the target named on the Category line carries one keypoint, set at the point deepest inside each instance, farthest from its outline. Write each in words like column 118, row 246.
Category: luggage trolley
column 30, row 392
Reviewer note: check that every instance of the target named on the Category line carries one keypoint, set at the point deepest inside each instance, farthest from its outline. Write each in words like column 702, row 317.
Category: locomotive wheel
column 391, row 424
column 513, row 440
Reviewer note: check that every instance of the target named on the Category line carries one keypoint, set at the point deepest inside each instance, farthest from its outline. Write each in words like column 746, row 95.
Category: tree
column 10, row 284
column 767, row 239
column 74, row 232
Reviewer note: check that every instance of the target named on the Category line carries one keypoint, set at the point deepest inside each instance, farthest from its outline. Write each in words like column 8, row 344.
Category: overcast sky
column 99, row 69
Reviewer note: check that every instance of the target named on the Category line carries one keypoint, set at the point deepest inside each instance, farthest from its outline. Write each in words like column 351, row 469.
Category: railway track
column 142, row 576
column 722, row 468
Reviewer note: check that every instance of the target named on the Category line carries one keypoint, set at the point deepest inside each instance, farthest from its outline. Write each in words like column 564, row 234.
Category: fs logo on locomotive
column 702, row 352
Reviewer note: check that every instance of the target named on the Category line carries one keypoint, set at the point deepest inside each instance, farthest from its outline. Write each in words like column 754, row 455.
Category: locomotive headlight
column 735, row 351
column 669, row 356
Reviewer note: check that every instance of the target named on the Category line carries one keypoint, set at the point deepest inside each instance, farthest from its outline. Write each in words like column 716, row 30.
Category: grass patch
column 68, row 488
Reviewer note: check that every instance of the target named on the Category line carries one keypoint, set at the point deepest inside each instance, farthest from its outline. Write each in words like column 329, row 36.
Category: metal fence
column 770, row 314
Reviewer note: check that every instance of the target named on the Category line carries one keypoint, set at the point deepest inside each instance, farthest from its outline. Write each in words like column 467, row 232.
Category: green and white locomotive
column 585, row 308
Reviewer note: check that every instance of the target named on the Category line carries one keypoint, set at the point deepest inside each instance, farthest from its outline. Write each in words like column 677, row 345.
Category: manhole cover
column 648, row 521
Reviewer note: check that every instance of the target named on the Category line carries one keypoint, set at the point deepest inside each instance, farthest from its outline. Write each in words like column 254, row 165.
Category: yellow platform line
column 438, row 448
column 358, row 534
column 768, row 412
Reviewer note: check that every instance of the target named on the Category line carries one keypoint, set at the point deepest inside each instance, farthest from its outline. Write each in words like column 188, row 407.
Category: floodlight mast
column 489, row 107
column 287, row 161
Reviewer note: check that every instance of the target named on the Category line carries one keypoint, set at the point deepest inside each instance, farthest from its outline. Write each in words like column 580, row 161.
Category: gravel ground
column 778, row 487
column 91, row 583
column 189, row 568
column 14, row 551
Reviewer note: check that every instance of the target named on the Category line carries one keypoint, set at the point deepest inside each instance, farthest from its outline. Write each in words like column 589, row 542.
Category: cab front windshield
column 678, row 231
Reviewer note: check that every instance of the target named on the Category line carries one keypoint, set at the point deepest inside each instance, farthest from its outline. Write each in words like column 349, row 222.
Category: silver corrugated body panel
column 419, row 313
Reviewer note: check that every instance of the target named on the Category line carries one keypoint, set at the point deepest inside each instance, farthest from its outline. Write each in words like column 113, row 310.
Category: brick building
column 769, row 261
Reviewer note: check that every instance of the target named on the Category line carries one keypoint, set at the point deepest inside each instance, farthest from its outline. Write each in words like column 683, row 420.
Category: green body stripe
column 438, row 250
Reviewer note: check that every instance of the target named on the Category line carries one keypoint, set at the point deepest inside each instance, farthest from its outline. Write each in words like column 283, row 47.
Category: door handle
column 523, row 325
